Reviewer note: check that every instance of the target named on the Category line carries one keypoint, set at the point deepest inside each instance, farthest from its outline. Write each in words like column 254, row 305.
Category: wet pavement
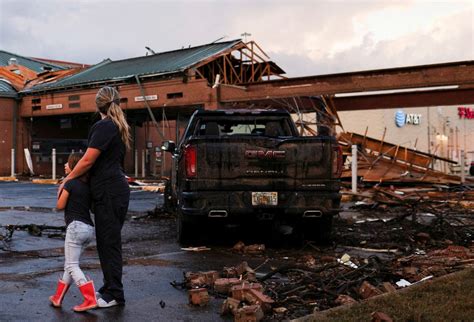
column 29, row 268
column 30, row 265
column 32, row 260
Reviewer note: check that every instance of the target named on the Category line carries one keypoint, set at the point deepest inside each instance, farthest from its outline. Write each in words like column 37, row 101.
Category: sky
column 303, row 37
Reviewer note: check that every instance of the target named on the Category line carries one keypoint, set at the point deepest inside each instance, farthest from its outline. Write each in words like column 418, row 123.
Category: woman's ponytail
column 116, row 115
column 108, row 103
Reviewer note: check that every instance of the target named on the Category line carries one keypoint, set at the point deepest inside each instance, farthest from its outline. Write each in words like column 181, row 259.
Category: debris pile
column 254, row 249
column 380, row 161
column 6, row 232
column 310, row 285
column 433, row 196
column 244, row 297
column 417, row 267
column 150, row 186
column 369, row 257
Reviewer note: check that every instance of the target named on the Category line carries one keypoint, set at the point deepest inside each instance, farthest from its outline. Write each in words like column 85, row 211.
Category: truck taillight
column 337, row 161
column 190, row 161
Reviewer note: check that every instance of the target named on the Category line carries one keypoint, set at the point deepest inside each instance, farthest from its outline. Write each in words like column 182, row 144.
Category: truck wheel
column 185, row 232
column 319, row 230
column 169, row 204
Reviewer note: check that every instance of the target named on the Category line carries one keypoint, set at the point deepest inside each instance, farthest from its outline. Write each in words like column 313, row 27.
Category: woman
column 108, row 140
column 75, row 199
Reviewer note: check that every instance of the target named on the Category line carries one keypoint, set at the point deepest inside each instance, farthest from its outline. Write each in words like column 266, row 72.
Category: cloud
column 348, row 36
column 304, row 37
column 88, row 31
column 449, row 39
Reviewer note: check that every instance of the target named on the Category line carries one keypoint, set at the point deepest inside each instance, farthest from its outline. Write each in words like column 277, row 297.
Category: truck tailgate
column 238, row 163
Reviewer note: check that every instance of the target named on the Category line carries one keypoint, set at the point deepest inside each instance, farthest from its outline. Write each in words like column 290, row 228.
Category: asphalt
column 30, row 265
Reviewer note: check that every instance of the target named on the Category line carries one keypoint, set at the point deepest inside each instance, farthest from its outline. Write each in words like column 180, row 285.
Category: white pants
column 78, row 236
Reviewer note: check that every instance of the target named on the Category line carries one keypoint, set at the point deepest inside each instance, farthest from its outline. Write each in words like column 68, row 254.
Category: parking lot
column 32, row 260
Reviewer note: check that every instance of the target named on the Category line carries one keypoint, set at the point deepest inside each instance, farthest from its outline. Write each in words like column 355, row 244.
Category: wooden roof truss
column 241, row 64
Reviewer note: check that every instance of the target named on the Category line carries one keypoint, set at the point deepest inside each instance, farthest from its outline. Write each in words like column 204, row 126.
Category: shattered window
column 244, row 127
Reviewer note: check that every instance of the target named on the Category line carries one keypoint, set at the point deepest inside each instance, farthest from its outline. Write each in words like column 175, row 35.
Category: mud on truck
column 237, row 166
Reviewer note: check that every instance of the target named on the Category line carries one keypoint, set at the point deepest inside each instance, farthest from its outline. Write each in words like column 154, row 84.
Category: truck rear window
column 270, row 128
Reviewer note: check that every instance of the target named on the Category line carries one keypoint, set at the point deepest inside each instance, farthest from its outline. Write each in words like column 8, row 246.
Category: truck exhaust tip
column 312, row 214
column 218, row 213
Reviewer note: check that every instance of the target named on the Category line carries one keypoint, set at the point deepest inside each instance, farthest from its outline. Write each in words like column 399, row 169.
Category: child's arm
column 62, row 200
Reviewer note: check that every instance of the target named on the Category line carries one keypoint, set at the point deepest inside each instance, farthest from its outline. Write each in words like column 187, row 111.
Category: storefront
column 441, row 130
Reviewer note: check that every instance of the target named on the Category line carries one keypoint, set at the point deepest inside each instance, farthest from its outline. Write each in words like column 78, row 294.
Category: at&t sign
column 402, row 118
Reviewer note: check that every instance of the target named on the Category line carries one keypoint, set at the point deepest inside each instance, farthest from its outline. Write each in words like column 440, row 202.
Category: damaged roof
column 6, row 89
column 157, row 64
column 35, row 65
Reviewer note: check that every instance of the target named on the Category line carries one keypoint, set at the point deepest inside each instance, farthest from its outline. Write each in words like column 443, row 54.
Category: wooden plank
column 254, row 72
column 261, row 50
column 200, row 74
column 365, row 135
column 233, row 69
column 402, row 154
column 251, row 49
column 396, row 153
column 225, row 69
column 253, row 65
column 241, row 67
column 379, row 173
column 383, row 138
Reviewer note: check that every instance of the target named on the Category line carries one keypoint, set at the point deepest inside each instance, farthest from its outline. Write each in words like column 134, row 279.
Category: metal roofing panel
column 7, row 90
column 32, row 64
column 160, row 63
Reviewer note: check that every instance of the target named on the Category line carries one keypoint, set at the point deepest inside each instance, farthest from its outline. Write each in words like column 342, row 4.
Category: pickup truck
column 243, row 165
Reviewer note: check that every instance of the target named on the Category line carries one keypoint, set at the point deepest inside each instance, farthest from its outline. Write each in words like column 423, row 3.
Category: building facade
column 441, row 130
column 47, row 106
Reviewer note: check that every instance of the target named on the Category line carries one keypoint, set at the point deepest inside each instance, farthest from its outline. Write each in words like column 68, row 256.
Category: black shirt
column 105, row 136
column 78, row 203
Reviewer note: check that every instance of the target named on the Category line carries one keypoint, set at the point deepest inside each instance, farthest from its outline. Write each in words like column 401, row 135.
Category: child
column 75, row 200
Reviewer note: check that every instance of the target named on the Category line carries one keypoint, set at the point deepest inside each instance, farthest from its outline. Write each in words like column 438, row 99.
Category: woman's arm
column 84, row 164
column 62, row 200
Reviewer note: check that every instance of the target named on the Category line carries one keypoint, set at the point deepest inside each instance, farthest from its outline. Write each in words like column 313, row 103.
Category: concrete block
column 198, row 296
column 224, row 285
column 230, row 305
column 367, row 290
column 211, row 277
column 238, row 291
column 251, row 313
column 344, row 300
column 388, row 287
column 254, row 249
column 255, row 297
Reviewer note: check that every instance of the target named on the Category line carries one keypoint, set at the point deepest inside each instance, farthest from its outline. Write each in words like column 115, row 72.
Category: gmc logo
column 260, row 154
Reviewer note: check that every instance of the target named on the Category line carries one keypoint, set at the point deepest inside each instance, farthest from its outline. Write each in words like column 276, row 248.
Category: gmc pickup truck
column 243, row 165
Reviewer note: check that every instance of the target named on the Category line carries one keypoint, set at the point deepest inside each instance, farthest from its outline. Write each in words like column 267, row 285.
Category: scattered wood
column 196, row 249
column 380, row 161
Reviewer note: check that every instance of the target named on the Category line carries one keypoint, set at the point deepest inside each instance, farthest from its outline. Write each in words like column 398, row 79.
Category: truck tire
column 319, row 230
column 184, row 230
column 169, row 204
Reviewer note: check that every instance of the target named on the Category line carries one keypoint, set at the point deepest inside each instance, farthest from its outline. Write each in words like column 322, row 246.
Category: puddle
column 28, row 208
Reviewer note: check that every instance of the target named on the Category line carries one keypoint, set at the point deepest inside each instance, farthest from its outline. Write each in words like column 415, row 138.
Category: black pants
column 111, row 201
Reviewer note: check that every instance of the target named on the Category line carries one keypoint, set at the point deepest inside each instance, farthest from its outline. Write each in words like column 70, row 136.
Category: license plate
column 264, row 198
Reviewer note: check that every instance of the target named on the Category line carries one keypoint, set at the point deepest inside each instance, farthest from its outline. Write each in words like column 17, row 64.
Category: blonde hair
column 108, row 103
